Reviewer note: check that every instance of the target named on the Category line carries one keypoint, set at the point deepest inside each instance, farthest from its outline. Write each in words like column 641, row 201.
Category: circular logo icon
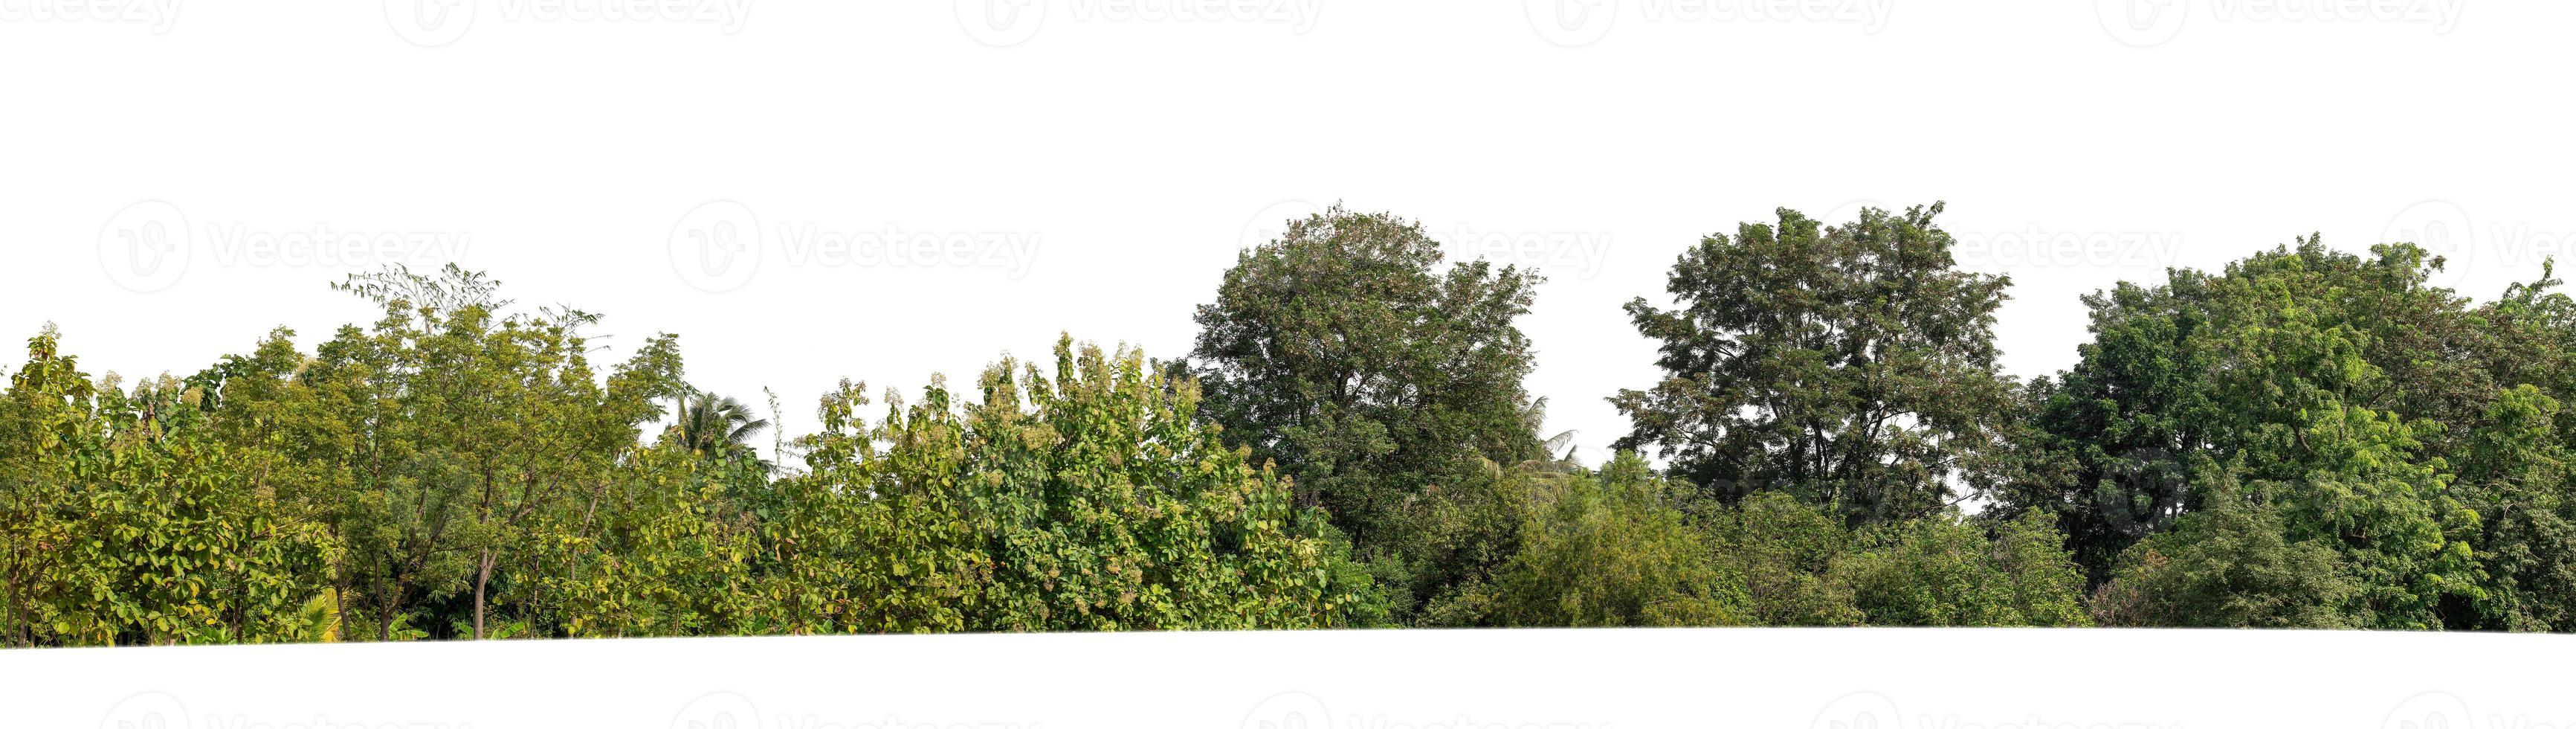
column 429, row 23
column 1849, row 212
column 2142, row 23
column 1000, row 23
column 2145, row 487
column 146, row 246
column 719, row 710
column 1571, row 23
column 154, row 710
column 716, row 247
column 1862, row 710
column 1271, row 223
column 2442, row 229
column 2429, row 710
column 1292, row 710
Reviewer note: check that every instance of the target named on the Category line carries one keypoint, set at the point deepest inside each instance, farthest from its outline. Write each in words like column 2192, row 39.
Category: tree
column 2514, row 461
column 2330, row 385
column 717, row 427
column 660, row 549
column 2307, row 438
column 1783, row 551
column 435, row 442
column 1092, row 499
column 1373, row 378
column 1623, row 546
column 2107, row 446
column 126, row 524
column 1850, row 365
column 1941, row 571
column 1607, row 549
column 2230, row 567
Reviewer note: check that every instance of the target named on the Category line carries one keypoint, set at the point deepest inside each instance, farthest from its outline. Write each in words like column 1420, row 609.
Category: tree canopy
column 1850, row 364
column 1380, row 382
column 2307, row 438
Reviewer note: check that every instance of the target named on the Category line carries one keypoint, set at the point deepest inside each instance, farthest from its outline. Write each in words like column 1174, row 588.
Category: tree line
column 2309, row 438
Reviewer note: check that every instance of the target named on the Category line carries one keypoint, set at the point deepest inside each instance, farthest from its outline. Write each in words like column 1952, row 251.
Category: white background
column 166, row 164
column 1844, row 678
column 1138, row 149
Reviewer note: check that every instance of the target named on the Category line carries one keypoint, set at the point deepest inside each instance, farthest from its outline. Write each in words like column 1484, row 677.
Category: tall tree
column 1851, row 365
column 434, row 441
column 1372, row 375
column 2330, row 385
column 717, row 427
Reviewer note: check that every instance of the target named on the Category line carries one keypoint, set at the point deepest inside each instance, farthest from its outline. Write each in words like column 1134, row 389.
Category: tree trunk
column 482, row 578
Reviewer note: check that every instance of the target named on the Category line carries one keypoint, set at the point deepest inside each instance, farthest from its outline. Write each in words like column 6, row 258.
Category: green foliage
column 1091, row 499
column 659, row 550
column 2307, row 439
column 1376, row 380
column 1625, row 547
column 2337, row 389
column 1850, row 365
column 438, row 443
column 718, row 427
column 1613, row 549
column 126, row 525
column 1944, row 572
column 2230, row 567
column 1783, row 552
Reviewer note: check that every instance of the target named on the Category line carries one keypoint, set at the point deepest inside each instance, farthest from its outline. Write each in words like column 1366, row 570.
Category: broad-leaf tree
column 1852, row 365
column 1373, row 374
